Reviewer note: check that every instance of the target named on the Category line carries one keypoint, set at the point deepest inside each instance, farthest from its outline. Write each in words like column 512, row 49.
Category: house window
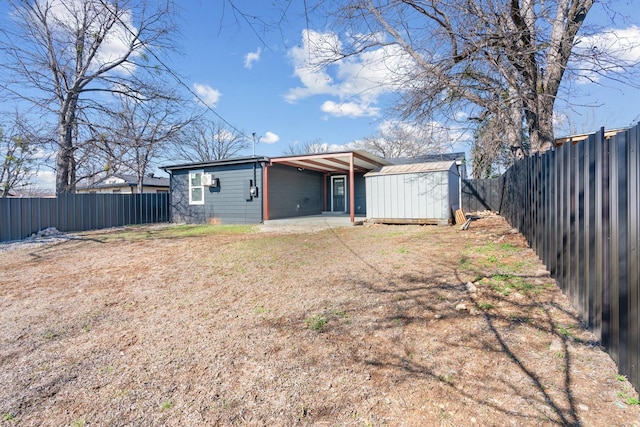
column 196, row 189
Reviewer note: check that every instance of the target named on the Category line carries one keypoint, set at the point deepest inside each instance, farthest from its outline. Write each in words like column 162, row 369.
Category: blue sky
column 255, row 82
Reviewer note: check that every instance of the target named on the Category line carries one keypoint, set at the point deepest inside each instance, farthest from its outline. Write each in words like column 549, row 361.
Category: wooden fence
column 578, row 207
column 21, row 217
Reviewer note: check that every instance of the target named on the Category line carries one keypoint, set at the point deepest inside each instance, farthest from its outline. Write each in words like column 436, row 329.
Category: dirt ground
column 360, row 326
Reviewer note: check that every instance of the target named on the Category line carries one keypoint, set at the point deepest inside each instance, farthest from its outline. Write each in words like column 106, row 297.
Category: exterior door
column 338, row 193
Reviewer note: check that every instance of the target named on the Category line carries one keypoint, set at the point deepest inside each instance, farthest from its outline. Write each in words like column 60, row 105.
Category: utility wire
column 175, row 76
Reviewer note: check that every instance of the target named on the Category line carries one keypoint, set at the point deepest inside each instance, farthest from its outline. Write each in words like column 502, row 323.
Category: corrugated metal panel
column 79, row 212
column 414, row 197
column 591, row 240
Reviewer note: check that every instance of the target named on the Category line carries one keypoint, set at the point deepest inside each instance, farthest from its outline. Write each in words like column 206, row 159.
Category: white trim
column 345, row 190
column 192, row 187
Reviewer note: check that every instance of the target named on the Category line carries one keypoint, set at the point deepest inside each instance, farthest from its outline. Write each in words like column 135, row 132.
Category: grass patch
column 317, row 322
column 342, row 314
column 490, row 255
column 464, row 261
column 628, row 399
column 505, row 284
column 261, row 309
column 565, row 331
column 173, row 232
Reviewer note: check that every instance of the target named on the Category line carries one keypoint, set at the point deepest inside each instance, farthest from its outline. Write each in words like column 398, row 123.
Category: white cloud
column 44, row 180
column 208, row 95
column 358, row 81
column 270, row 138
column 252, row 57
column 67, row 16
column 439, row 135
column 607, row 52
column 349, row 109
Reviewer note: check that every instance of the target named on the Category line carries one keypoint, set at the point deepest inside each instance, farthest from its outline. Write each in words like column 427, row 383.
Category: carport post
column 265, row 193
column 351, row 190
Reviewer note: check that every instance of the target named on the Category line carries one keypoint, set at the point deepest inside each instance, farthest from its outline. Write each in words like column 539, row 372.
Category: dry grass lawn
column 359, row 326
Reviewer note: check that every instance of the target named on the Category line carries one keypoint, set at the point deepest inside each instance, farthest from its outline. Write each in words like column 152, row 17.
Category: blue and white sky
column 260, row 85
column 256, row 80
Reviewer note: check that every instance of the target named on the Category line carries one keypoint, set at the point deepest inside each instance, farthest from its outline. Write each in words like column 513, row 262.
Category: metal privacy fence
column 482, row 194
column 578, row 206
column 19, row 218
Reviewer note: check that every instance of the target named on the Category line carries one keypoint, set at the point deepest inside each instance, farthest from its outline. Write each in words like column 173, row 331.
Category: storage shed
column 416, row 193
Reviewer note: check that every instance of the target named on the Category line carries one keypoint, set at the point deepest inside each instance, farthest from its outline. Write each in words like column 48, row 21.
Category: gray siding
column 360, row 193
column 225, row 204
column 425, row 196
column 294, row 193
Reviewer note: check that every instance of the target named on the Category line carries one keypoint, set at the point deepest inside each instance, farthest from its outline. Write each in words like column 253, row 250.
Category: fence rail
column 20, row 218
column 579, row 208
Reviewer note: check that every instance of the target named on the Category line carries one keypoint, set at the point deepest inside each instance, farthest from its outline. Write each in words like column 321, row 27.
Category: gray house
column 249, row 190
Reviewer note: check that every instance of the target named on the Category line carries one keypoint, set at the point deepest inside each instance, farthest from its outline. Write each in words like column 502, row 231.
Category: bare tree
column 19, row 149
column 204, row 140
column 492, row 151
column 398, row 139
column 312, row 147
column 488, row 55
column 64, row 53
column 140, row 132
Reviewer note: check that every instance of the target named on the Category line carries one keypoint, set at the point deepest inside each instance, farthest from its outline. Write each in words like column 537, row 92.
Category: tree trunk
column 65, row 159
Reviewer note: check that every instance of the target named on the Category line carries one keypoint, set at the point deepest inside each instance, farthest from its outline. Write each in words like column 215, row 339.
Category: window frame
column 193, row 187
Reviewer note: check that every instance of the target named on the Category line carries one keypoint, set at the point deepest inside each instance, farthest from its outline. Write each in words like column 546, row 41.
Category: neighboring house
column 250, row 190
column 126, row 184
column 10, row 193
column 608, row 134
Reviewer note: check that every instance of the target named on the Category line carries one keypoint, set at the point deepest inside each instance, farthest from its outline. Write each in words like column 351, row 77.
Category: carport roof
column 336, row 162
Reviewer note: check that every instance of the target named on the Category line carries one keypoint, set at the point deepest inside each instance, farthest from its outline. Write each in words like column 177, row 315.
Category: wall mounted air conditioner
column 209, row 180
column 206, row 179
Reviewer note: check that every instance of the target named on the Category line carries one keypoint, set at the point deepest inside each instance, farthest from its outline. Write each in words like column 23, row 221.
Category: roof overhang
column 332, row 163
column 213, row 163
column 583, row 136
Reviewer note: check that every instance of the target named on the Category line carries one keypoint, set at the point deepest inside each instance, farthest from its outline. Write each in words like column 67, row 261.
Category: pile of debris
column 47, row 232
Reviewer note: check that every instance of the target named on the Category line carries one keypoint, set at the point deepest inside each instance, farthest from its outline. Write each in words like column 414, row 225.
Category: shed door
column 338, row 193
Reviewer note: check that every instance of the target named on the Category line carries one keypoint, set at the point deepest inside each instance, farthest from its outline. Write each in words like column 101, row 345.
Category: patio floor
column 310, row 223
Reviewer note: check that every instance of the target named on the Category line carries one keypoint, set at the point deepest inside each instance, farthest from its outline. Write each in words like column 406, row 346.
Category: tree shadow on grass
column 434, row 294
